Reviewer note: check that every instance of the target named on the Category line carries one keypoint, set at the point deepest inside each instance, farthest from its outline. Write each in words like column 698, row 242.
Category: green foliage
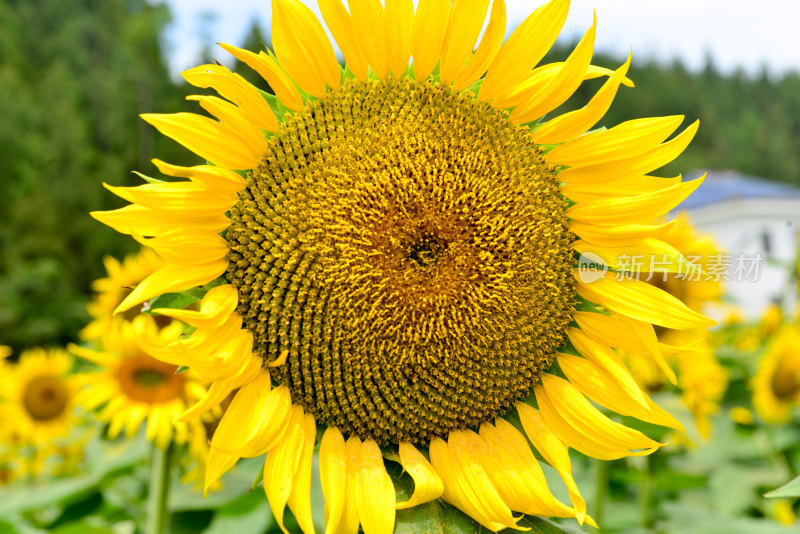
column 75, row 77
column 790, row 489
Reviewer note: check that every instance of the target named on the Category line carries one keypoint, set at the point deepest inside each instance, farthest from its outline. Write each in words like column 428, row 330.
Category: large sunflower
column 132, row 387
column 397, row 249
column 40, row 395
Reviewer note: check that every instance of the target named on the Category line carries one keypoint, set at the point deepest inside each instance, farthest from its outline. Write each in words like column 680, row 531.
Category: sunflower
column 40, row 395
column 776, row 385
column 133, row 387
column 110, row 291
column 394, row 252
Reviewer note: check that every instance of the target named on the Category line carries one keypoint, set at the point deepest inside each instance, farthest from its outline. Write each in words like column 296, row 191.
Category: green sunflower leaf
column 790, row 489
column 438, row 517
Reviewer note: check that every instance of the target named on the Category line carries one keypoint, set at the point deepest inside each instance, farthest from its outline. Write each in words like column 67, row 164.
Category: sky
column 735, row 33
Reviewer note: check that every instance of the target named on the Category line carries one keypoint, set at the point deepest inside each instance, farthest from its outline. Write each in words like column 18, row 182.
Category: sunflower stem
column 601, row 490
column 646, row 493
column 159, row 489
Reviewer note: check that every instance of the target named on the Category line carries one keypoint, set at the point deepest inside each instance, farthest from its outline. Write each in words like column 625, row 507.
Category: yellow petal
column 581, row 426
column 400, row 23
column 236, row 89
column 343, row 30
column 231, row 116
column 427, row 38
column 554, row 451
column 466, row 21
column 646, row 256
column 255, row 421
column 624, row 333
column 186, row 197
column 349, row 520
column 269, row 69
column 187, row 247
column 146, row 221
column 570, row 125
column 211, row 177
column 636, row 209
column 282, row 462
column 207, row 138
column 634, row 166
column 487, row 49
column 556, row 91
column 303, row 48
column 625, row 140
column 369, row 22
column 608, row 360
column 172, row 278
column 428, row 485
column 467, row 485
column 588, row 190
column 516, row 473
column 617, row 236
column 644, row 302
column 215, row 308
column 332, row 472
column 375, row 497
column 523, row 50
column 217, row 464
column 300, row 497
column 594, row 382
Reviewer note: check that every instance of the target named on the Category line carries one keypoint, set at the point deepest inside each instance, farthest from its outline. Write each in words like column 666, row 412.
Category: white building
column 757, row 222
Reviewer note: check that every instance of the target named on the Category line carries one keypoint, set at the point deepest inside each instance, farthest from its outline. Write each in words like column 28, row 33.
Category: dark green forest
column 76, row 75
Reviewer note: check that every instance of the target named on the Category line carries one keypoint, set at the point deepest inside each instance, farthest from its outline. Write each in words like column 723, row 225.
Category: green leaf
column 438, row 517
column 115, row 459
column 173, row 300
column 790, row 489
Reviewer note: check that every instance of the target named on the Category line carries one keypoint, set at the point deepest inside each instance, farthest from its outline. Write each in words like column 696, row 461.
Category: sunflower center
column 144, row 379
column 46, row 397
column 409, row 248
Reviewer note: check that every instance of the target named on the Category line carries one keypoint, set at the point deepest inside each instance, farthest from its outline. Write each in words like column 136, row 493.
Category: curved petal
column 207, row 138
column 210, row 176
column 172, row 278
column 428, row 485
column 282, row 464
column 581, row 426
column 644, row 302
column 555, row 452
column 237, row 90
column 559, row 88
column 523, row 50
column 570, row 125
column 269, row 69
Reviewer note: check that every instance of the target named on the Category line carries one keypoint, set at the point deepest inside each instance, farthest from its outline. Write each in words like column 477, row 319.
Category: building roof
column 721, row 186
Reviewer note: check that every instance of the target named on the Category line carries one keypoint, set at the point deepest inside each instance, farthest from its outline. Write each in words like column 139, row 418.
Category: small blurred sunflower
column 122, row 277
column 40, row 394
column 396, row 245
column 701, row 379
column 133, row 387
column 776, row 385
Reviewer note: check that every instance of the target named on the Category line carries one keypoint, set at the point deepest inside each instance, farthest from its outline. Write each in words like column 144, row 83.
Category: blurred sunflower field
column 391, row 266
